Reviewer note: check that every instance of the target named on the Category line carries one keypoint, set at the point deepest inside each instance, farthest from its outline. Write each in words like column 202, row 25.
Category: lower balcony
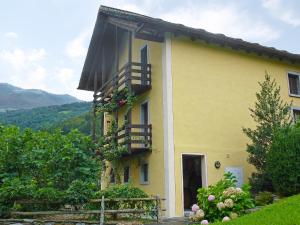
column 137, row 138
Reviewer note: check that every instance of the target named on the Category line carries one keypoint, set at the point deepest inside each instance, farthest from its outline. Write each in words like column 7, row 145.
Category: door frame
column 203, row 173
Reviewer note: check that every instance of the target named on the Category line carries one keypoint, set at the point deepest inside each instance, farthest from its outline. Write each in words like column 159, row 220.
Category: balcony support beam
column 115, row 82
column 128, row 85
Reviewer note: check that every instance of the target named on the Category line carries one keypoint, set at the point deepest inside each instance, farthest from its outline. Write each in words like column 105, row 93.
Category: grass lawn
column 284, row 212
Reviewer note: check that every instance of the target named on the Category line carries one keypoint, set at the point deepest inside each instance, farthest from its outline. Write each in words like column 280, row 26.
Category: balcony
column 137, row 138
column 135, row 76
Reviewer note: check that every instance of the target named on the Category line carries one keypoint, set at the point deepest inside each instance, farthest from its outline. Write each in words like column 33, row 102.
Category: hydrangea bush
column 221, row 202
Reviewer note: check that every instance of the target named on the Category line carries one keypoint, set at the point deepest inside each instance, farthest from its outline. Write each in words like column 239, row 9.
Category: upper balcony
column 135, row 76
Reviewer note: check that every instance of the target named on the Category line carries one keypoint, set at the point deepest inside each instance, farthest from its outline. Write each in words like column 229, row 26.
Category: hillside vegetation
column 68, row 116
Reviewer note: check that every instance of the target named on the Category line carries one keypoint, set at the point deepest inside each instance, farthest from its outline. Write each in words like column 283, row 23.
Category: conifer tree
column 269, row 113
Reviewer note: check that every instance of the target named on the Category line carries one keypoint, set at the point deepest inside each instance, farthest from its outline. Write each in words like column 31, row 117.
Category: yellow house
column 194, row 90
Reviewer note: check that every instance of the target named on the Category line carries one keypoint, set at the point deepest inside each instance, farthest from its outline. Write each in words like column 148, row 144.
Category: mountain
column 67, row 116
column 12, row 98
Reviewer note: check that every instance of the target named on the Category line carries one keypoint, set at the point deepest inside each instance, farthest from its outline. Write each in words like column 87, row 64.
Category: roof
column 159, row 27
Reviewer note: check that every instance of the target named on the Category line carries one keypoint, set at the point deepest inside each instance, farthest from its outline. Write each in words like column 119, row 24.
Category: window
column 144, row 173
column 144, row 114
column 296, row 114
column 294, row 84
column 144, row 62
column 144, row 121
column 126, row 174
column 112, row 176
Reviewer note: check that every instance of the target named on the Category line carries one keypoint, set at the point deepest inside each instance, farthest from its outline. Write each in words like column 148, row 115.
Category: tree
column 46, row 166
column 270, row 112
column 283, row 160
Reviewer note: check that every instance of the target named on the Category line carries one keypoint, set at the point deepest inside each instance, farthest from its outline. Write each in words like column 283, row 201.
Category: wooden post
column 94, row 109
column 102, row 211
column 128, row 84
column 116, row 80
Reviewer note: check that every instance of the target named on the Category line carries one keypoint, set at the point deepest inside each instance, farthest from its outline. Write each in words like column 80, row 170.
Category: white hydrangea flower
column 220, row 205
column 228, row 203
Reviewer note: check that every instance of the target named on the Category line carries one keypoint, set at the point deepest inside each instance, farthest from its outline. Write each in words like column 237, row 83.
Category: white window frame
column 141, row 105
column 142, row 174
column 204, row 173
column 288, row 80
column 296, row 108
column 141, row 115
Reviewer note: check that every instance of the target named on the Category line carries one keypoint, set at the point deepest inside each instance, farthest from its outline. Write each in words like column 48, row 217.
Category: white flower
column 226, row 218
column 192, row 216
column 211, row 198
column 220, row 205
column 200, row 214
column 204, row 222
column 239, row 190
column 195, row 207
column 228, row 203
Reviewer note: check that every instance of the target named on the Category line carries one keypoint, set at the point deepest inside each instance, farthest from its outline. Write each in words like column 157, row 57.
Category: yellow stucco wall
column 213, row 89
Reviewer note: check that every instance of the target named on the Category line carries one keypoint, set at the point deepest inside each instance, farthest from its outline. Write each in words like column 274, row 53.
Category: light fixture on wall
column 217, row 164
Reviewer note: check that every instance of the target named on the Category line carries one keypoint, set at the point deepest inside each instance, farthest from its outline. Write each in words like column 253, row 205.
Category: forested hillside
column 67, row 117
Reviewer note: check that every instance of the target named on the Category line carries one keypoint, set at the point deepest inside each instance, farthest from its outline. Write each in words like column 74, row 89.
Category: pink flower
column 195, row 208
column 204, row 222
column 226, row 218
column 211, row 198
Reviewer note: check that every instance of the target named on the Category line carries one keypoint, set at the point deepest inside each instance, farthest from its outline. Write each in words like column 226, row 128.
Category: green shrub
column 122, row 191
column 49, row 194
column 264, row 198
column 79, row 192
column 260, row 181
column 125, row 191
column 47, row 167
column 283, row 162
column 16, row 189
column 222, row 200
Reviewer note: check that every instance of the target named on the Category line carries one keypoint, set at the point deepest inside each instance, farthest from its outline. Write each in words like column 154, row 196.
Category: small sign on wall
column 238, row 173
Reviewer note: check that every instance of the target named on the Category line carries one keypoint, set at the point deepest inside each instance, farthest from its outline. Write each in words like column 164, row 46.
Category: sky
column 43, row 44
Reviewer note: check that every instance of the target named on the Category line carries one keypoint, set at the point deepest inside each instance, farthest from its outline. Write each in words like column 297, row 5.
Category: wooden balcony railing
column 137, row 137
column 136, row 75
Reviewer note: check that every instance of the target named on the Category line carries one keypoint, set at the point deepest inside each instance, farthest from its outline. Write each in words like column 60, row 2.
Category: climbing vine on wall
column 110, row 149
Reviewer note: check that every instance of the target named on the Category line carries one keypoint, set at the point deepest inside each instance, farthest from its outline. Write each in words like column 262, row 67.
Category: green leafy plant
column 125, row 191
column 44, row 166
column 110, row 149
column 264, row 198
column 283, row 162
column 222, row 200
column 79, row 192
column 269, row 113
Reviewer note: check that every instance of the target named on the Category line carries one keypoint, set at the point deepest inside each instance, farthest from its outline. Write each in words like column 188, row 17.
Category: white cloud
column 65, row 75
column 227, row 19
column 76, row 48
column 37, row 55
column 15, row 57
column 11, row 35
column 24, row 67
column 283, row 11
column 19, row 58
